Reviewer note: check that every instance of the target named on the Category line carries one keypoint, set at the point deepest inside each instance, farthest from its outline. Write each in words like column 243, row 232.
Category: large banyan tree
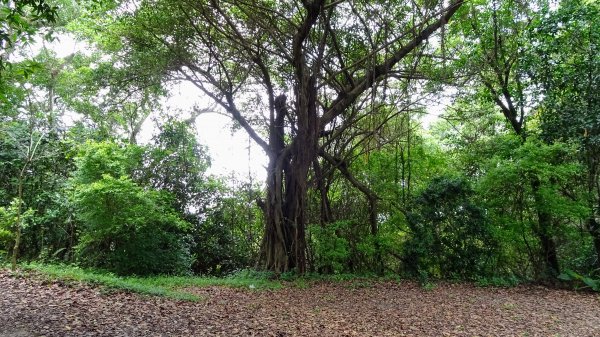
column 289, row 73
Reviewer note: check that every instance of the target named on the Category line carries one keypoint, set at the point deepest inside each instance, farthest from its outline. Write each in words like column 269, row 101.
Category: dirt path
column 32, row 307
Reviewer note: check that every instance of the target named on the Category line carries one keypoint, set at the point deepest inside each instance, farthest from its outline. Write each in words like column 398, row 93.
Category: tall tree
column 287, row 72
column 565, row 64
column 496, row 36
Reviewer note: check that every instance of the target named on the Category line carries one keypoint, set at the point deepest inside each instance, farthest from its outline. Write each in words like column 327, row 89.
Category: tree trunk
column 18, row 225
column 593, row 225
column 284, row 241
column 17, row 246
column 594, row 229
column 375, row 233
column 543, row 231
column 323, row 188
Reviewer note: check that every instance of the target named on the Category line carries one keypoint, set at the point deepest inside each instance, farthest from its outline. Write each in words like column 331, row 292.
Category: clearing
column 35, row 306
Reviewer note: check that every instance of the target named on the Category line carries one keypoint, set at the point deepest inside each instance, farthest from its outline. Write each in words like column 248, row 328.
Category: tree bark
column 543, row 230
column 594, row 229
column 284, row 242
column 323, row 188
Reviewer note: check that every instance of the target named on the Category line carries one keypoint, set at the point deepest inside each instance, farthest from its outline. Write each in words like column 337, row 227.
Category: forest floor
column 31, row 305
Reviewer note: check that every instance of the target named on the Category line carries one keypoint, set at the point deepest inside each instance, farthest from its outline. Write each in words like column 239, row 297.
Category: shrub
column 450, row 235
column 124, row 227
column 8, row 220
column 129, row 230
column 331, row 248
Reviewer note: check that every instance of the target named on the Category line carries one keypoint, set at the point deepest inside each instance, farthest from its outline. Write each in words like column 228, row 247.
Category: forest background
column 504, row 185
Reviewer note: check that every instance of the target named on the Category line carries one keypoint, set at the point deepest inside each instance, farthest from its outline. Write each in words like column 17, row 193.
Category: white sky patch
column 436, row 107
column 63, row 45
column 231, row 152
column 234, row 153
column 66, row 45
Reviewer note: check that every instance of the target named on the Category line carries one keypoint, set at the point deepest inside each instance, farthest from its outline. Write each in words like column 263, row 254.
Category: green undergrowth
column 180, row 287
column 166, row 286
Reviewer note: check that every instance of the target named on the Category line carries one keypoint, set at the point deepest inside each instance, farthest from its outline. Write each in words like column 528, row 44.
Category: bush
column 8, row 221
column 125, row 228
column 129, row 230
column 331, row 248
column 450, row 235
column 227, row 236
column 581, row 281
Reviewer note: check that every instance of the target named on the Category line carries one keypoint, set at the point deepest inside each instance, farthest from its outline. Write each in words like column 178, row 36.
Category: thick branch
column 342, row 166
column 350, row 94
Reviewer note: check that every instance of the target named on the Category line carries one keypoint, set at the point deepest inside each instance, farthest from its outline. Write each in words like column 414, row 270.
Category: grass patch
column 166, row 286
column 301, row 283
column 176, row 287
column 237, row 280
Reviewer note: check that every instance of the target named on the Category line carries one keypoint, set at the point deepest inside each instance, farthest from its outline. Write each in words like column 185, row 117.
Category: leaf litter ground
column 32, row 306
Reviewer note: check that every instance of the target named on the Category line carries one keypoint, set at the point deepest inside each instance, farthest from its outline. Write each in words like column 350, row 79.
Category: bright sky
column 231, row 152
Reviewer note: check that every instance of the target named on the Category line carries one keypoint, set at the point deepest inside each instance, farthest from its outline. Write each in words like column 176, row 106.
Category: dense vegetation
column 504, row 184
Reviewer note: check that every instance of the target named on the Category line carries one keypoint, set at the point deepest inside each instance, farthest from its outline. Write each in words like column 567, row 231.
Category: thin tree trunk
column 594, row 229
column 31, row 150
column 325, row 211
column 375, row 233
column 17, row 246
column 544, row 231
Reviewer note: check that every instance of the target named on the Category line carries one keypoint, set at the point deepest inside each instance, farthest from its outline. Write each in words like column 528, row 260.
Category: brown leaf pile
column 33, row 307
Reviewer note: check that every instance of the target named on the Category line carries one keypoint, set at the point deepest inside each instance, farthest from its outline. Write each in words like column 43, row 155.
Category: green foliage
column 9, row 217
column 514, row 165
column 224, row 221
column 124, row 227
column 43, row 181
column 176, row 163
column 20, row 22
column 167, row 286
column 498, row 281
column 450, row 235
column 588, row 282
column 96, row 159
column 577, row 249
column 153, row 209
column 512, row 203
column 228, row 238
column 331, row 249
column 565, row 60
